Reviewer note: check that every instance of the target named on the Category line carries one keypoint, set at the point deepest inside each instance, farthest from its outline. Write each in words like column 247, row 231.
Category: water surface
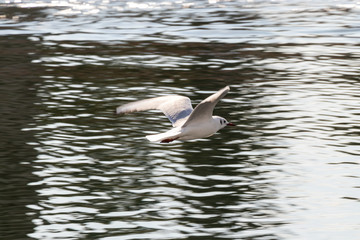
column 70, row 169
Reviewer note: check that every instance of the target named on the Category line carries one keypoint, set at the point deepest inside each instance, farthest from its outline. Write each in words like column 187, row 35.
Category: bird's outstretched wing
column 204, row 110
column 176, row 108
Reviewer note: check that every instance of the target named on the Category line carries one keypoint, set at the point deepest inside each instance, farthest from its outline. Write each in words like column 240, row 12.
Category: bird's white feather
column 171, row 134
column 203, row 111
column 176, row 108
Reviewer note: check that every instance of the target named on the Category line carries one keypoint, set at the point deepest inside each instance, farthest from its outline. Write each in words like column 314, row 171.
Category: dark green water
column 70, row 169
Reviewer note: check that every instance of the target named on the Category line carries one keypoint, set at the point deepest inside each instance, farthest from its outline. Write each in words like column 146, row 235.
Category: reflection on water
column 70, row 169
column 16, row 97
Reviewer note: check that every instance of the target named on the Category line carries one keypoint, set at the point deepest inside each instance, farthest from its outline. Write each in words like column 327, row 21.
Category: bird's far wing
column 176, row 108
column 204, row 110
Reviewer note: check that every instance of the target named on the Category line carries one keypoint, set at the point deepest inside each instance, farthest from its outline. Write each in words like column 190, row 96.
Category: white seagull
column 187, row 123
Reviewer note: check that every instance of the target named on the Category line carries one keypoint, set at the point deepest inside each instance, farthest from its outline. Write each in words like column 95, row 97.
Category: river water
column 70, row 169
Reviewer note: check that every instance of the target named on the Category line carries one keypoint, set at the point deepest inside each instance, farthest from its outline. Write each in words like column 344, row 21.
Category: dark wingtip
column 118, row 113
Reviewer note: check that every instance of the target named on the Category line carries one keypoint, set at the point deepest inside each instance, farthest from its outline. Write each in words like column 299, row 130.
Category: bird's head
column 222, row 122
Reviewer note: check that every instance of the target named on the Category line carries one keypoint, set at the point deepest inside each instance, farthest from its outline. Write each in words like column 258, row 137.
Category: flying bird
column 188, row 123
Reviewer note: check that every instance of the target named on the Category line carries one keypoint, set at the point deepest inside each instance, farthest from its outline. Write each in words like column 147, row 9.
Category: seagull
column 188, row 123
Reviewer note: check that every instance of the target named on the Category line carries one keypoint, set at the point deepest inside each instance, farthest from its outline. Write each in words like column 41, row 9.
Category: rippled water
column 70, row 169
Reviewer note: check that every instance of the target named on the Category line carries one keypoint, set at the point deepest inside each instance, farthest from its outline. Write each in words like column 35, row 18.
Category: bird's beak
column 230, row 124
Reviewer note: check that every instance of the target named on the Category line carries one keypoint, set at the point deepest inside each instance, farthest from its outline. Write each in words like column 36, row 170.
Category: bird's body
column 188, row 123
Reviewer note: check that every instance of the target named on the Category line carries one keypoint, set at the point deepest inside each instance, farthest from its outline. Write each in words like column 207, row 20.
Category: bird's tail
column 168, row 136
